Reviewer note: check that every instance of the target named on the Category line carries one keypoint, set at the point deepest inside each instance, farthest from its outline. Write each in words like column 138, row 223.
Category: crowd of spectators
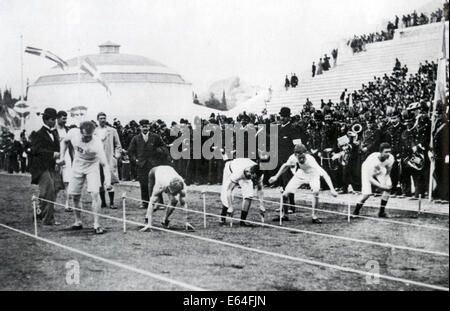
column 358, row 43
column 393, row 108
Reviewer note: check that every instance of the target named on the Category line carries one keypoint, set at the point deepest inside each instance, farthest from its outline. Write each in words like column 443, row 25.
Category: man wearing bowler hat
column 45, row 151
column 286, row 135
column 146, row 149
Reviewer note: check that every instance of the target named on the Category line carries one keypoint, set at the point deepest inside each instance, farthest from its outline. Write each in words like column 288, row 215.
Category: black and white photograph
column 246, row 148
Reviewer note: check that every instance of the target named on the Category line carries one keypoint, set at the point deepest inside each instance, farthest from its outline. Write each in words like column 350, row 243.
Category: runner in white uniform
column 246, row 174
column 164, row 179
column 308, row 171
column 89, row 153
column 375, row 171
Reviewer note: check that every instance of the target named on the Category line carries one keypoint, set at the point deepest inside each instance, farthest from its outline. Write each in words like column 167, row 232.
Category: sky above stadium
column 204, row 40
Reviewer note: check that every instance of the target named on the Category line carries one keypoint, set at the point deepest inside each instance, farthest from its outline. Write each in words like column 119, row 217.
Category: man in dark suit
column 286, row 134
column 45, row 150
column 148, row 150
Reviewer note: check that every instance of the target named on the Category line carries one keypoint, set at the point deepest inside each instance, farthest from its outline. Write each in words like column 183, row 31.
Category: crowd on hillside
column 393, row 108
column 358, row 43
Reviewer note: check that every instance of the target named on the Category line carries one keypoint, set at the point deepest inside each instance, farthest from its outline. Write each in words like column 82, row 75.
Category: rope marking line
column 353, row 216
column 269, row 253
column 108, row 261
column 387, row 245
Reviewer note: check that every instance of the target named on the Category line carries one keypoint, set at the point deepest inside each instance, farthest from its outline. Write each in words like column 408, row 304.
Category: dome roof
column 112, row 59
column 114, row 67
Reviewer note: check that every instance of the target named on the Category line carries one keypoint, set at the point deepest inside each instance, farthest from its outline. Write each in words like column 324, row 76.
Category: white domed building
column 140, row 88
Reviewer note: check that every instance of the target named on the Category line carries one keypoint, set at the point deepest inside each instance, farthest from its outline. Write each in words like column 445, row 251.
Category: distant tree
column 196, row 101
column 224, row 100
column 214, row 103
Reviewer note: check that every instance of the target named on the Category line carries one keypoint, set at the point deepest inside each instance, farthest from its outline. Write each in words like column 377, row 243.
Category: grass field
column 27, row 264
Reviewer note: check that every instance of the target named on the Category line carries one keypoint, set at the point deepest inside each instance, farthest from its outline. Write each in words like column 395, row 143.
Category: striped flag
column 88, row 66
column 47, row 54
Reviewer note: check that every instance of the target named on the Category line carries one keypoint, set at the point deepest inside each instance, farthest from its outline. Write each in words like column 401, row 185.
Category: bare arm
column 282, row 169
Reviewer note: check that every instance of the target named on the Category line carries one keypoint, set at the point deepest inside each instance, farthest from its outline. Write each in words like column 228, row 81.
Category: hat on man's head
column 285, row 112
column 144, row 122
column 50, row 113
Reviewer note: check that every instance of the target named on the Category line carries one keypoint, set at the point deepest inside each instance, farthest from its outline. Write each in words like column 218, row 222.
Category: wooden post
column 34, row 200
column 124, row 213
column 204, row 208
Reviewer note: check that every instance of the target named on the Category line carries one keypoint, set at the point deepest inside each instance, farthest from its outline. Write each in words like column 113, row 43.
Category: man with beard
column 375, row 171
column 113, row 149
column 68, row 157
column 145, row 148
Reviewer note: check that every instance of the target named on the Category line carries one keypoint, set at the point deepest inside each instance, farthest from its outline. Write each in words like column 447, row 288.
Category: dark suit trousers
column 47, row 191
column 142, row 176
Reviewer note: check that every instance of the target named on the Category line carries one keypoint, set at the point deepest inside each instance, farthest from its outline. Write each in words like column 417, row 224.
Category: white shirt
column 49, row 132
column 237, row 168
column 372, row 166
column 87, row 155
column 145, row 136
column 310, row 167
column 164, row 174
column 101, row 132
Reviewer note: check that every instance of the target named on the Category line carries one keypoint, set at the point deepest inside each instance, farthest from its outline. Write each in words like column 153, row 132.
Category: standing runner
column 89, row 154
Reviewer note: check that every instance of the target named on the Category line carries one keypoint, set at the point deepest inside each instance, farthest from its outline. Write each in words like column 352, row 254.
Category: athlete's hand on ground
column 272, row 180
column 334, row 193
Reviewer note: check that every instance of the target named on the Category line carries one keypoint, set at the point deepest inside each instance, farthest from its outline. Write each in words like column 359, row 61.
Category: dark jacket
column 151, row 153
column 42, row 151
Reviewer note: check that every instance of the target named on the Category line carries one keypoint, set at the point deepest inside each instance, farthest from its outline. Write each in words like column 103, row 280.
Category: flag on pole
column 88, row 66
column 439, row 96
column 47, row 54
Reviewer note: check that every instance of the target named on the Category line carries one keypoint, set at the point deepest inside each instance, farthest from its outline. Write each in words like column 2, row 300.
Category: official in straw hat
column 45, row 151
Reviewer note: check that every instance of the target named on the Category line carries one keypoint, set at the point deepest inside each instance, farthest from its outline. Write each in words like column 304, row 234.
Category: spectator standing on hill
column 287, row 83
column 326, row 63
column 313, row 69
column 320, row 67
column 334, row 53
column 294, row 81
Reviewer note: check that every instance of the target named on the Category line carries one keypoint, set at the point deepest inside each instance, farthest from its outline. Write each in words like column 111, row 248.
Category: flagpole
column 21, row 64
column 433, row 115
column 22, row 117
column 78, row 80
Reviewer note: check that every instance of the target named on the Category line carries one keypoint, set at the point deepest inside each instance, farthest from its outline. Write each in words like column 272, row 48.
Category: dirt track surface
column 27, row 264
